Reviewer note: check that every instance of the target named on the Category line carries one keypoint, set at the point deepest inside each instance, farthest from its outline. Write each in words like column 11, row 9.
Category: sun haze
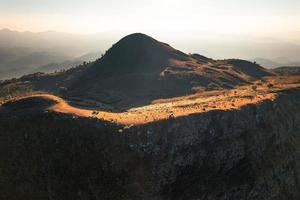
column 192, row 16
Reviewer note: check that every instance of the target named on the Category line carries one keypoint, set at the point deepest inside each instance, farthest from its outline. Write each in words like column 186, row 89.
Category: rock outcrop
column 252, row 153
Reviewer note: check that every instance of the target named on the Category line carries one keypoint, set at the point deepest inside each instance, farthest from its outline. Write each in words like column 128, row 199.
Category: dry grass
column 266, row 89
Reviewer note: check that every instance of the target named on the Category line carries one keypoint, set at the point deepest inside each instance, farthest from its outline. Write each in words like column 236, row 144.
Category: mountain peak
column 140, row 36
column 142, row 42
column 139, row 51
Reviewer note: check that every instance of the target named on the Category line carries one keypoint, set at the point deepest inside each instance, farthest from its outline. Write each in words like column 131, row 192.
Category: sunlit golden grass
column 161, row 109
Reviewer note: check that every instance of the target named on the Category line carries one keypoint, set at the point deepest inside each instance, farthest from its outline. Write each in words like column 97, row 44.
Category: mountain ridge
column 139, row 67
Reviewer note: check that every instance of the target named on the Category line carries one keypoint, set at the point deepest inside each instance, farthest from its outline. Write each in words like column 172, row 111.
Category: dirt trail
column 159, row 111
column 154, row 112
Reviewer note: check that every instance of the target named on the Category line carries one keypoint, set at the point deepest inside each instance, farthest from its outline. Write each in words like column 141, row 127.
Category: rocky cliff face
column 251, row 153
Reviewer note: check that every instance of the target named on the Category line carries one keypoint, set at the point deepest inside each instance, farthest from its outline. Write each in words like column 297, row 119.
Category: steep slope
column 246, row 154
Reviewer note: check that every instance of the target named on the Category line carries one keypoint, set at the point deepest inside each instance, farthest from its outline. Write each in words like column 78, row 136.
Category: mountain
column 139, row 53
column 139, row 68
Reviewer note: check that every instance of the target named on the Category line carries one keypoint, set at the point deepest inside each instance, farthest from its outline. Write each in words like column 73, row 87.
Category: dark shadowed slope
column 251, row 69
column 139, row 53
column 28, row 105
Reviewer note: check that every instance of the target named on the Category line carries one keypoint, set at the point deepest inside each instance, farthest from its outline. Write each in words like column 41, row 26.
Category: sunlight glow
column 190, row 16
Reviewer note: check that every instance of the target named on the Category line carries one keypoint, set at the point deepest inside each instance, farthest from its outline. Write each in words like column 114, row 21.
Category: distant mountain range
column 66, row 64
column 276, row 62
column 287, row 70
column 27, row 52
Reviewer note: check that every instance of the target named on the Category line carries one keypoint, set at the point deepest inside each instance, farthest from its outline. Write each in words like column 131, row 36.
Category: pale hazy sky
column 158, row 17
column 216, row 28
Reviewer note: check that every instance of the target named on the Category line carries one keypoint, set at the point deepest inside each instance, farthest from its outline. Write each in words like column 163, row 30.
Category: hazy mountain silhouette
column 288, row 70
column 28, row 52
column 276, row 62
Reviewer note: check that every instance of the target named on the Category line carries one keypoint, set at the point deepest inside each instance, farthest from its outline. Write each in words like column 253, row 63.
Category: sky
column 167, row 20
column 158, row 16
